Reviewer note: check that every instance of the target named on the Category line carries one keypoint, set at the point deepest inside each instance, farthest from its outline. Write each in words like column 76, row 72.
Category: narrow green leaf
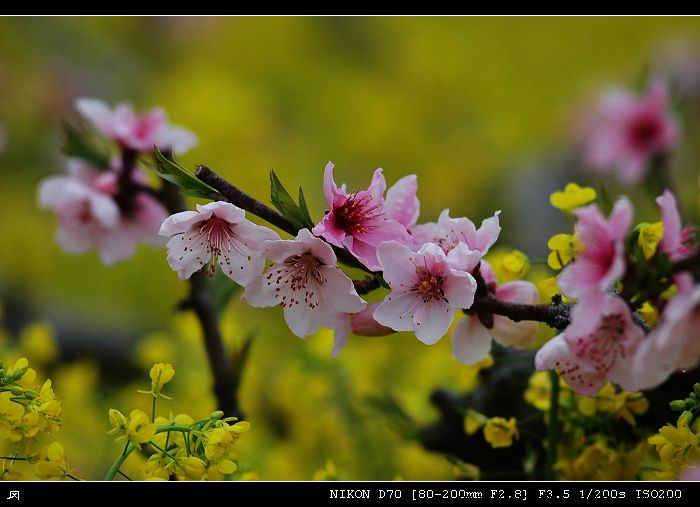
column 304, row 208
column 79, row 143
column 284, row 203
column 172, row 171
column 224, row 289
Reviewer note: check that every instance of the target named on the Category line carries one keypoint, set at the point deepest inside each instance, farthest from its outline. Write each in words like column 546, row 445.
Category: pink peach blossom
column 587, row 361
column 449, row 232
column 362, row 220
column 89, row 217
column 600, row 264
column 471, row 339
column 628, row 131
column 425, row 290
column 217, row 232
column 305, row 280
column 137, row 132
column 673, row 345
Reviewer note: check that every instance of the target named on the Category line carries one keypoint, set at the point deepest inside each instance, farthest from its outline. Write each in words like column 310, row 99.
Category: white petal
column 396, row 311
column 432, row 320
column 471, row 341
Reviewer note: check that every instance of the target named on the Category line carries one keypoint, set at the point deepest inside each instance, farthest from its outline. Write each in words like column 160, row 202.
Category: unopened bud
column 696, row 389
column 685, row 419
column 17, row 390
column 690, row 403
column 217, row 414
column 677, row 405
column 363, row 323
column 31, row 395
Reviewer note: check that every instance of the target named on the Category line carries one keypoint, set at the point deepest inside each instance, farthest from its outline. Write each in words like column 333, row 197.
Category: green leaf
column 79, row 143
column 172, row 171
column 296, row 214
column 304, row 208
column 224, row 289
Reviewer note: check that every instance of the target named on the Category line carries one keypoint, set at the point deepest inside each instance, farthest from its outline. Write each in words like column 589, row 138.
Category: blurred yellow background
column 465, row 103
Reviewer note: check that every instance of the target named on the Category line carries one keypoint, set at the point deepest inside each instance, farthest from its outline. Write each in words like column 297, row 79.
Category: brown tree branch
column 201, row 301
column 555, row 314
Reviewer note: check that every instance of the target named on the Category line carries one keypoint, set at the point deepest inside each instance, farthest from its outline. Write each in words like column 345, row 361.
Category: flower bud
column 17, row 390
column 677, row 405
column 685, row 419
column 217, row 414
column 696, row 389
column 690, row 403
column 31, row 395
column 363, row 323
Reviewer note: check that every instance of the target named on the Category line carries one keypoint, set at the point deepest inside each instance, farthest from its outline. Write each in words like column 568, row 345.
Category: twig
column 236, row 196
column 201, row 301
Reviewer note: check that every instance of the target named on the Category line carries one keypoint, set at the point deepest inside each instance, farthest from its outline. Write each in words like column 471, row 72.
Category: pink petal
column 471, row 341
column 396, row 311
column 177, row 139
column 377, row 186
column 671, row 242
column 460, row 288
column 180, row 222
column 340, row 292
column 397, row 262
column 402, row 203
column 97, row 112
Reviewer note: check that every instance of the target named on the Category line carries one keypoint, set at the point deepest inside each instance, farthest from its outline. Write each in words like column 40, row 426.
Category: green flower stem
column 153, row 409
column 13, row 458
column 128, row 449
column 553, row 427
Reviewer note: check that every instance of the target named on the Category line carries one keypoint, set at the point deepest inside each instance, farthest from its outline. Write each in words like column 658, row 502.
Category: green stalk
column 120, row 461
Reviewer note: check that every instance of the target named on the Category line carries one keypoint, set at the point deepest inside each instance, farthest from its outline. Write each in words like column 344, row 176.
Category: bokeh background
column 479, row 108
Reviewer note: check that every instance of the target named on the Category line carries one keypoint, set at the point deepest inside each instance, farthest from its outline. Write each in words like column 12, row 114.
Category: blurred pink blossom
column 627, row 131
column 673, row 345
column 360, row 221
column 133, row 131
column 89, row 217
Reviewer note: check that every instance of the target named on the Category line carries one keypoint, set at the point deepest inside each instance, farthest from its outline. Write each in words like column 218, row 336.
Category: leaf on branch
column 172, row 171
column 224, row 289
column 80, row 143
column 297, row 214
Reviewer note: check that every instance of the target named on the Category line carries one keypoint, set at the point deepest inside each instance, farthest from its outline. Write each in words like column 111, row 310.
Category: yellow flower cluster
column 30, row 411
column 597, row 460
column 177, row 446
column 678, row 446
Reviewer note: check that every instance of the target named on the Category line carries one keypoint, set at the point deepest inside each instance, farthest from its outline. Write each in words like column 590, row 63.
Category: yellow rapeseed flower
column 564, row 248
column 573, row 196
column 650, row 236
column 161, row 374
column 509, row 265
column 499, row 432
